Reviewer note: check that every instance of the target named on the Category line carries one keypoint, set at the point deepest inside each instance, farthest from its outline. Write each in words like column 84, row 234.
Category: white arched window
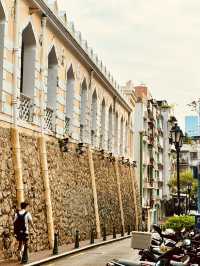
column 126, row 138
column 2, row 37
column 122, row 136
column 94, row 118
column 83, row 109
column 116, row 134
column 103, row 118
column 51, row 88
column 70, row 96
column 110, row 128
column 27, row 81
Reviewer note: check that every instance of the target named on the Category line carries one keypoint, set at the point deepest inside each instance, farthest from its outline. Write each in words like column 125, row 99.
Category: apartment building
column 152, row 152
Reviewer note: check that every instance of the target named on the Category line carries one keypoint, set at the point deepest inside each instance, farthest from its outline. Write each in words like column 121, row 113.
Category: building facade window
column 83, row 108
column 116, row 133
column 70, row 96
column 52, row 82
column 2, row 37
column 94, row 119
column 122, row 136
column 27, row 80
column 103, row 118
column 126, row 138
column 110, row 128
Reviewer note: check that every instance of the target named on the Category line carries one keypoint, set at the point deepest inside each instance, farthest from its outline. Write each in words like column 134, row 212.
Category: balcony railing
column 109, row 144
column 25, row 108
column 66, row 125
column 93, row 138
column 49, row 118
column 101, row 141
column 81, row 133
column 149, row 204
column 184, row 161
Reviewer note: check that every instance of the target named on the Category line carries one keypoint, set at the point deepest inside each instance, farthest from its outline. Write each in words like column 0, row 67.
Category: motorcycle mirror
column 157, row 229
column 183, row 230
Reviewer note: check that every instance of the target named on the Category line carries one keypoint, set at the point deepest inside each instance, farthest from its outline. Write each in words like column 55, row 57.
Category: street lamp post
column 176, row 138
column 189, row 188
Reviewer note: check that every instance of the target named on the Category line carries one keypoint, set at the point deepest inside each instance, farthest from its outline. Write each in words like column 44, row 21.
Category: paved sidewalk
column 33, row 257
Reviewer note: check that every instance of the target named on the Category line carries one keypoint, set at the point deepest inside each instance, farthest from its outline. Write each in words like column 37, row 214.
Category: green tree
column 185, row 178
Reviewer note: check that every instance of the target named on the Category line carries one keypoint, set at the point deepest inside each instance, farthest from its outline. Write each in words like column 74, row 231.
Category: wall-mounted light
column 63, row 143
column 80, row 148
column 134, row 164
column 121, row 160
column 102, row 152
column 111, row 157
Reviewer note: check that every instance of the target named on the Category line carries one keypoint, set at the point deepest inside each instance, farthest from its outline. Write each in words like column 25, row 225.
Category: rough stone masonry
column 71, row 192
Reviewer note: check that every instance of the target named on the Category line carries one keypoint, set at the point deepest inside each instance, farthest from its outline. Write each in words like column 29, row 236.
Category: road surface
column 99, row 256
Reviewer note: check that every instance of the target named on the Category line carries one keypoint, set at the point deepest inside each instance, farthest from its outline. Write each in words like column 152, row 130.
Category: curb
column 74, row 251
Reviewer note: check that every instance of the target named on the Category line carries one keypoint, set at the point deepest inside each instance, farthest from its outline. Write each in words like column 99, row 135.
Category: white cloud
column 153, row 41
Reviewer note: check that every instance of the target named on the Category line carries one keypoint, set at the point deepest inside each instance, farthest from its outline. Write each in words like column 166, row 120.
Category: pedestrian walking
column 21, row 228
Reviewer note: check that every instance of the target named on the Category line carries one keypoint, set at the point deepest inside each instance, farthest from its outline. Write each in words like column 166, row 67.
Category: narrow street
column 99, row 256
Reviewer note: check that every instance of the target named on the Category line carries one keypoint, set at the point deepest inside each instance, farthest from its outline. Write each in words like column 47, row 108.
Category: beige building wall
column 67, row 46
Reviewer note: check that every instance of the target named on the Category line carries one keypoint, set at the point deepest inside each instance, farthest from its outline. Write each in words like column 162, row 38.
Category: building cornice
column 71, row 41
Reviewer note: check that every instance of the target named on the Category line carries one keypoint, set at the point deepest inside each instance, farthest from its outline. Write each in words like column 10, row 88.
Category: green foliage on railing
column 177, row 223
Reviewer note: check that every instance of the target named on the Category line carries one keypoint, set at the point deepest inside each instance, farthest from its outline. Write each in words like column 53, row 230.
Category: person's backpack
column 19, row 224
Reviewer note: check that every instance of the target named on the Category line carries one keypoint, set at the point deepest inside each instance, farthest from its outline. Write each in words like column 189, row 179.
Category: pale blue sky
column 156, row 42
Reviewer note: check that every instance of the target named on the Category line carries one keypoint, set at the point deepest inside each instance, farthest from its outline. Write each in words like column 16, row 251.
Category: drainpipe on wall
column 14, row 130
column 42, row 142
column 141, row 167
column 94, row 190
column 134, row 185
column 119, row 194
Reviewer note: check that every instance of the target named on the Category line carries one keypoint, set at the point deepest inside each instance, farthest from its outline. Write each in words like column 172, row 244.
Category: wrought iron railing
column 66, row 125
column 25, row 108
column 49, row 118
column 101, row 141
column 93, row 138
column 109, row 144
column 81, row 133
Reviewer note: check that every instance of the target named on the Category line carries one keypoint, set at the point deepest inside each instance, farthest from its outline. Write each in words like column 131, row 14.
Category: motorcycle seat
column 177, row 257
column 126, row 263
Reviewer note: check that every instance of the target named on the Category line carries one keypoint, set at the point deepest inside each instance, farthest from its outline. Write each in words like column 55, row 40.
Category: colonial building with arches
column 66, row 128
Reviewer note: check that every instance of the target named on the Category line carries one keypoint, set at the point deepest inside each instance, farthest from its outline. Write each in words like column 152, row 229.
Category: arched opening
column 126, row 138
column 70, row 95
column 28, row 54
column 110, row 127
column 27, row 81
column 94, row 118
column 116, row 133
column 122, row 136
column 2, row 37
column 51, row 88
column 103, row 118
column 83, row 105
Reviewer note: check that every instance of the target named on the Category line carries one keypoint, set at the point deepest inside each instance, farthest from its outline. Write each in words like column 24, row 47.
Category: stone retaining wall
column 127, row 196
column 107, row 193
column 71, row 192
column 34, row 191
column 7, row 193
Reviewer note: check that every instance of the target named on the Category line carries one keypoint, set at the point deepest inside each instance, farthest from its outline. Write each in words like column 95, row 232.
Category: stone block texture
column 7, row 194
column 71, row 192
column 34, row 191
column 107, row 193
column 127, row 196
